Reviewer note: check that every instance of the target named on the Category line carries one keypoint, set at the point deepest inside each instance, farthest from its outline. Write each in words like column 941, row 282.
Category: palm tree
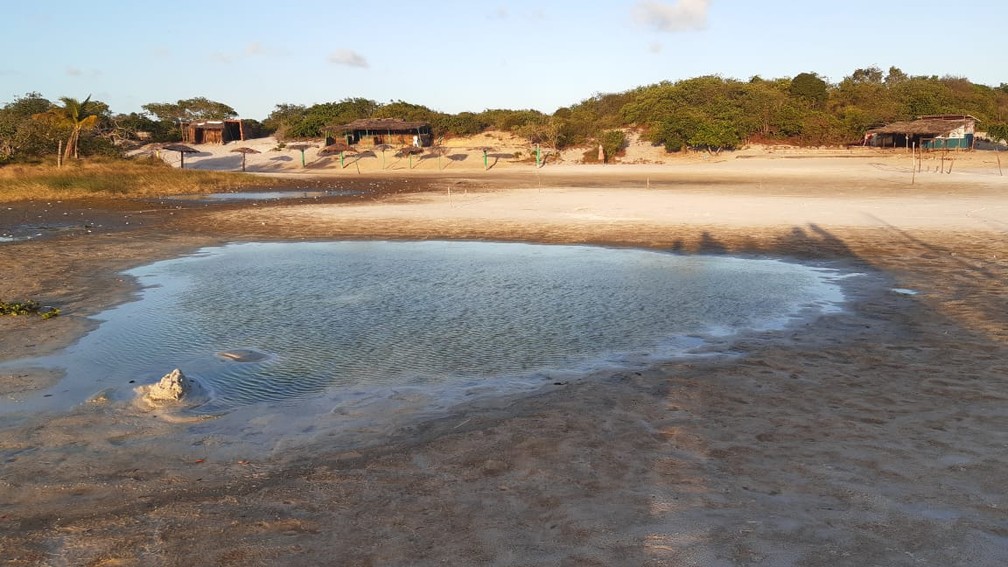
column 73, row 114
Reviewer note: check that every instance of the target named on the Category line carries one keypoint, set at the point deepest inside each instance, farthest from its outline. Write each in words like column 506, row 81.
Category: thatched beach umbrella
column 335, row 148
column 383, row 148
column 301, row 148
column 244, row 150
column 486, row 160
column 182, row 149
column 341, row 148
column 409, row 151
column 437, row 151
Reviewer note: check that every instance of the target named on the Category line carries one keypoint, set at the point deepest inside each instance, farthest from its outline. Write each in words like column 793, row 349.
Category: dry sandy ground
column 507, row 152
column 877, row 436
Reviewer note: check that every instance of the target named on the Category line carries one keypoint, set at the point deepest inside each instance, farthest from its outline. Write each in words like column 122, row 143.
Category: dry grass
column 113, row 178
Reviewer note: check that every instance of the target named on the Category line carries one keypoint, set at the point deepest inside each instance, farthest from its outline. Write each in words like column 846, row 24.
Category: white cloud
column 681, row 15
column 655, row 47
column 72, row 71
column 503, row 13
column 223, row 57
column 252, row 49
column 348, row 57
column 255, row 48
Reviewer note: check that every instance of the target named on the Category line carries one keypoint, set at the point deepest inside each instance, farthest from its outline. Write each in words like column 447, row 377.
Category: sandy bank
column 875, row 436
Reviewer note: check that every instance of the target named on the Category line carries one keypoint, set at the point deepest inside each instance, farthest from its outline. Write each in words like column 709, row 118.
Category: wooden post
column 913, row 165
column 997, row 153
column 59, row 154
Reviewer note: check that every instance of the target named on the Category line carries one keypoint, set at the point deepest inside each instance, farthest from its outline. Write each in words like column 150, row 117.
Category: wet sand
column 874, row 436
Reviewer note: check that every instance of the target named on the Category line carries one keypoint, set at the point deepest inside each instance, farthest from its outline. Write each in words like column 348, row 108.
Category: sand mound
column 174, row 388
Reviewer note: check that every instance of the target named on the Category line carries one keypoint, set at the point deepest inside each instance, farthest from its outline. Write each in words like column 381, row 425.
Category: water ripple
column 383, row 314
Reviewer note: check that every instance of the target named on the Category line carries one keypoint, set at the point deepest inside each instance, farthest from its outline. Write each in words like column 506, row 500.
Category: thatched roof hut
column 374, row 132
column 212, row 131
column 933, row 131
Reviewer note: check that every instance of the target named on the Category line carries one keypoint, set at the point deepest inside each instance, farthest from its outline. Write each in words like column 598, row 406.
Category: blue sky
column 455, row 56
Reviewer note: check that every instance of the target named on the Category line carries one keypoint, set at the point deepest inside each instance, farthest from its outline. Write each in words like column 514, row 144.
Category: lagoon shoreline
column 871, row 436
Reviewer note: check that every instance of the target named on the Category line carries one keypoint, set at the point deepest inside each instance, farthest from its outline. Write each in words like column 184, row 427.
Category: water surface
column 272, row 195
column 316, row 318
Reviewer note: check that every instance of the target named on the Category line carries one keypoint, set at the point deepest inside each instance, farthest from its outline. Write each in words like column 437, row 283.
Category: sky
column 455, row 56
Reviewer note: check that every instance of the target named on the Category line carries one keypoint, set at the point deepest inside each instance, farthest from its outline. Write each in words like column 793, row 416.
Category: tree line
column 706, row 113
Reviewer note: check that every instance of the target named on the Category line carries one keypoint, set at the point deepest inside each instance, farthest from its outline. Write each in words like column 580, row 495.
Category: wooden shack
column 213, row 131
column 373, row 132
column 936, row 131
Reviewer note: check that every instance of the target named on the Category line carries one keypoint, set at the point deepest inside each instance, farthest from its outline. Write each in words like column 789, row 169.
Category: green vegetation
column 18, row 308
column 809, row 87
column 109, row 177
column 75, row 116
column 998, row 132
column 613, row 141
column 704, row 113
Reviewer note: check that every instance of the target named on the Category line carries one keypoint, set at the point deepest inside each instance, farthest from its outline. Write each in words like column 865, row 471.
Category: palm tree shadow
column 967, row 263
column 710, row 245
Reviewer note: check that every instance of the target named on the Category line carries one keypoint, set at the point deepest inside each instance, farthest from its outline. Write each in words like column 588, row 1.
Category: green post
column 341, row 160
column 538, row 155
column 302, row 158
column 485, row 163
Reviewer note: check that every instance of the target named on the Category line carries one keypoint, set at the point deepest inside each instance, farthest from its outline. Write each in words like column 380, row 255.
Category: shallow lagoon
column 358, row 317
column 270, row 195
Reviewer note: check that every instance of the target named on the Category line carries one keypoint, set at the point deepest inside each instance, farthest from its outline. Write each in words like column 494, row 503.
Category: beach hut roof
column 216, row 125
column 381, row 124
column 938, row 125
column 336, row 148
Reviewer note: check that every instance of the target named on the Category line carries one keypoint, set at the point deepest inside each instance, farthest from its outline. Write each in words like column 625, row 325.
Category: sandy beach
column 874, row 436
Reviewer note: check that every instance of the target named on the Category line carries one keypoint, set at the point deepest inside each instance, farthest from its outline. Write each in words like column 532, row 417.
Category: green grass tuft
column 24, row 308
